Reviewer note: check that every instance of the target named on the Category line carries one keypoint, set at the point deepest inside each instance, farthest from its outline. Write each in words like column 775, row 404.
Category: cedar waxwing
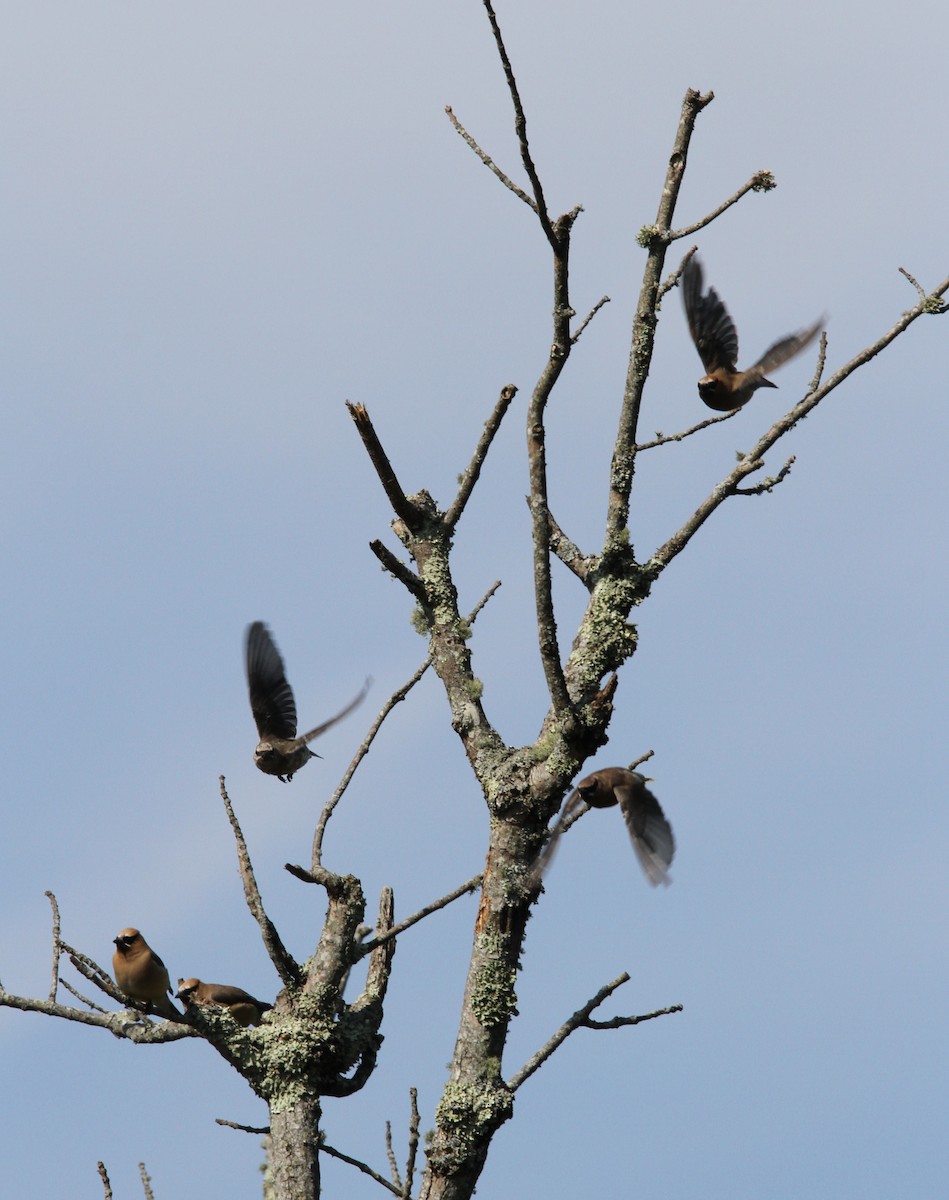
column 724, row 387
column 279, row 752
column 240, row 1004
column 649, row 830
column 141, row 974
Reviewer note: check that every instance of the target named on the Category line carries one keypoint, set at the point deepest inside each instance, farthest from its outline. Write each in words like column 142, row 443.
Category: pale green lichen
column 493, row 998
column 467, row 1114
column 296, row 1051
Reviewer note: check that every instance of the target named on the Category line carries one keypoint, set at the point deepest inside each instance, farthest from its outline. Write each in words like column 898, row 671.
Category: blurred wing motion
column 723, row 387
column 649, row 830
column 271, row 697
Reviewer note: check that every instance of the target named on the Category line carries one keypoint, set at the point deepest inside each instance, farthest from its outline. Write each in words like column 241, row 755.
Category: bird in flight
column 724, row 387
column 279, row 752
column 649, row 831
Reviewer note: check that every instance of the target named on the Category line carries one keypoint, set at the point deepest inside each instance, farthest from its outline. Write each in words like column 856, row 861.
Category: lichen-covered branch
column 137, row 1030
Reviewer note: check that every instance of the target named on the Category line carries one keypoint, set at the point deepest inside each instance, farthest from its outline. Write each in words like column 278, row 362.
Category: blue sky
column 217, row 225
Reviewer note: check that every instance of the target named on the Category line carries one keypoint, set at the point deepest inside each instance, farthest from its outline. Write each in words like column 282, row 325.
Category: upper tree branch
column 398, row 569
column 473, row 471
column 520, row 128
column 393, row 932
column 397, row 697
column 489, row 162
column 286, row 966
column 579, row 1019
column 662, row 439
column 117, row 1023
column 761, row 181
column 753, row 460
column 644, row 326
column 537, row 466
column 54, row 982
column 401, row 505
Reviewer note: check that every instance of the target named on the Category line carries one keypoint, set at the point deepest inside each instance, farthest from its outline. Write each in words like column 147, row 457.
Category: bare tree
column 316, row 1043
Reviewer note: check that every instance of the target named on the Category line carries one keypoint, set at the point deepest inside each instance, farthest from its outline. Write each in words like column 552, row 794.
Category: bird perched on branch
column 724, row 387
column 279, row 752
column 240, row 1004
column 141, row 974
column 649, row 830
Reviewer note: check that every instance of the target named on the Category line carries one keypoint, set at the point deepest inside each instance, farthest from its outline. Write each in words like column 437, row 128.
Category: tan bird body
column 240, row 1004
column 649, row 831
column 724, row 387
column 279, row 752
column 140, row 973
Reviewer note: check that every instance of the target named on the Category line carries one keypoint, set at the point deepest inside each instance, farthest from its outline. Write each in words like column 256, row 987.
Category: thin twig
column 488, row 161
column 672, row 280
column 819, row 366
column 572, row 1023
column 288, row 970
column 930, row 303
column 390, row 1155
column 663, row 439
column 575, row 337
column 397, row 696
column 465, row 889
column 326, row 1148
column 761, row 181
column 54, row 982
column 90, row 969
column 473, row 470
column 104, row 1176
column 769, row 484
column 622, row 1022
column 146, row 1182
column 520, row 128
column 265, row 1129
column 79, row 996
column 638, row 762
column 413, row 1144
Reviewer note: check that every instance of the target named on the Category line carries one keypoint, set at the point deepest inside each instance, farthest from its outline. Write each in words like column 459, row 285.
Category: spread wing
column 545, row 857
column 343, row 712
column 649, row 830
column 786, row 348
column 712, row 329
column 271, row 698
